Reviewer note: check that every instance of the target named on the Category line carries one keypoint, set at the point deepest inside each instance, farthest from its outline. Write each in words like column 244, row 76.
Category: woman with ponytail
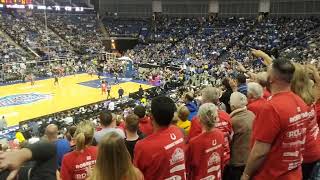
column 77, row 164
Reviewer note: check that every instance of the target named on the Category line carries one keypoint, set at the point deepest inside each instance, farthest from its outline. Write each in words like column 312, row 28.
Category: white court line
column 31, row 87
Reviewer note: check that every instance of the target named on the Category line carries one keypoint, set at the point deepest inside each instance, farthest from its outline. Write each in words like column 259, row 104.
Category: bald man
column 62, row 145
column 51, row 132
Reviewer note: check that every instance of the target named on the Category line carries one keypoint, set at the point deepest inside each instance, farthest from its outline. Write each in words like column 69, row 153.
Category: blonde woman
column 206, row 151
column 77, row 164
column 303, row 86
column 113, row 162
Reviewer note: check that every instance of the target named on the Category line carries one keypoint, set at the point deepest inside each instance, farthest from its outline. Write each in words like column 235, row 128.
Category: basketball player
column 56, row 79
column 116, row 75
column 108, row 90
column 31, row 79
column 103, row 87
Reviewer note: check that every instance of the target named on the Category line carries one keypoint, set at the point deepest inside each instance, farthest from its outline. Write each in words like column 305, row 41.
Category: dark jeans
column 233, row 172
column 310, row 171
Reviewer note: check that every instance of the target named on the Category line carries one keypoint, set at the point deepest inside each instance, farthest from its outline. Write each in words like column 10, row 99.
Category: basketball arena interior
column 160, row 89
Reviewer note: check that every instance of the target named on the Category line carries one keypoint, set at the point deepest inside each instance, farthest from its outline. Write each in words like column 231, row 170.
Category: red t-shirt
column 223, row 123
column 312, row 145
column 266, row 94
column 282, row 122
column 318, row 112
column 255, row 105
column 161, row 155
column 103, row 86
column 205, row 156
column 145, row 126
column 76, row 165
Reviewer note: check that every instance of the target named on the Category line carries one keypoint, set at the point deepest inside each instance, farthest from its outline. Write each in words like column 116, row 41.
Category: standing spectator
column 62, row 145
column 242, row 83
column 120, row 92
column 225, row 98
column 302, row 86
column 280, row 122
column 113, row 161
column 108, row 124
column 242, row 121
column 3, row 123
column 205, row 157
column 262, row 79
column 223, row 122
column 161, row 155
column 131, row 129
column 70, row 136
column 191, row 105
column 255, row 97
column 145, row 124
column 183, row 122
column 77, row 164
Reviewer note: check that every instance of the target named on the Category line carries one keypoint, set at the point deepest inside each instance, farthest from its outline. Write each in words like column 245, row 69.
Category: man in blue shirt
column 242, row 84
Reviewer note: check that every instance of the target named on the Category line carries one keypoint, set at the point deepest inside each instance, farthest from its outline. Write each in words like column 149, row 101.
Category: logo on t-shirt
column 214, row 159
column 20, row 99
column 177, row 156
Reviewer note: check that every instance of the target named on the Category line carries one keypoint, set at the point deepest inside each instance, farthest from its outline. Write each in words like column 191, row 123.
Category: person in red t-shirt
column 161, row 155
column 77, row 164
column 311, row 155
column 205, row 157
column 280, row 130
column 145, row 124
column 255, row 96
column 223, row 122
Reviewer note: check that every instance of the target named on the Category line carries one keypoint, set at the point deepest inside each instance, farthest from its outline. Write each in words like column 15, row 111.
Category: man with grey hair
column 262, row 79
column 212, row 95
column 242, row 121
column 255, row 96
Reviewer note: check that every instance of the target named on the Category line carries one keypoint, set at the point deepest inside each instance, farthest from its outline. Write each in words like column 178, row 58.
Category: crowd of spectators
column 239, row 114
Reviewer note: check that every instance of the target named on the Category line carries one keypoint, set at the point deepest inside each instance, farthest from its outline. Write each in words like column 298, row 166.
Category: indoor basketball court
column 20, row 102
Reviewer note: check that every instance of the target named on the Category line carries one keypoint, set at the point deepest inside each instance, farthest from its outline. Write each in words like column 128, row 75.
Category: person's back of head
column 51, row 132
column 208, row 113
column 283, row 70
column 70, row 132
column 241, row 79
column 210, row 95
column 132, row 123
column 262, row 79
column 255, row 90
column 238, row 100
column 188, row 97
column 183, row 113
column 226, row 84
column 105, row 118
column 113, row 159
column 140, row 111
column 84, row 134
column 162, row 110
